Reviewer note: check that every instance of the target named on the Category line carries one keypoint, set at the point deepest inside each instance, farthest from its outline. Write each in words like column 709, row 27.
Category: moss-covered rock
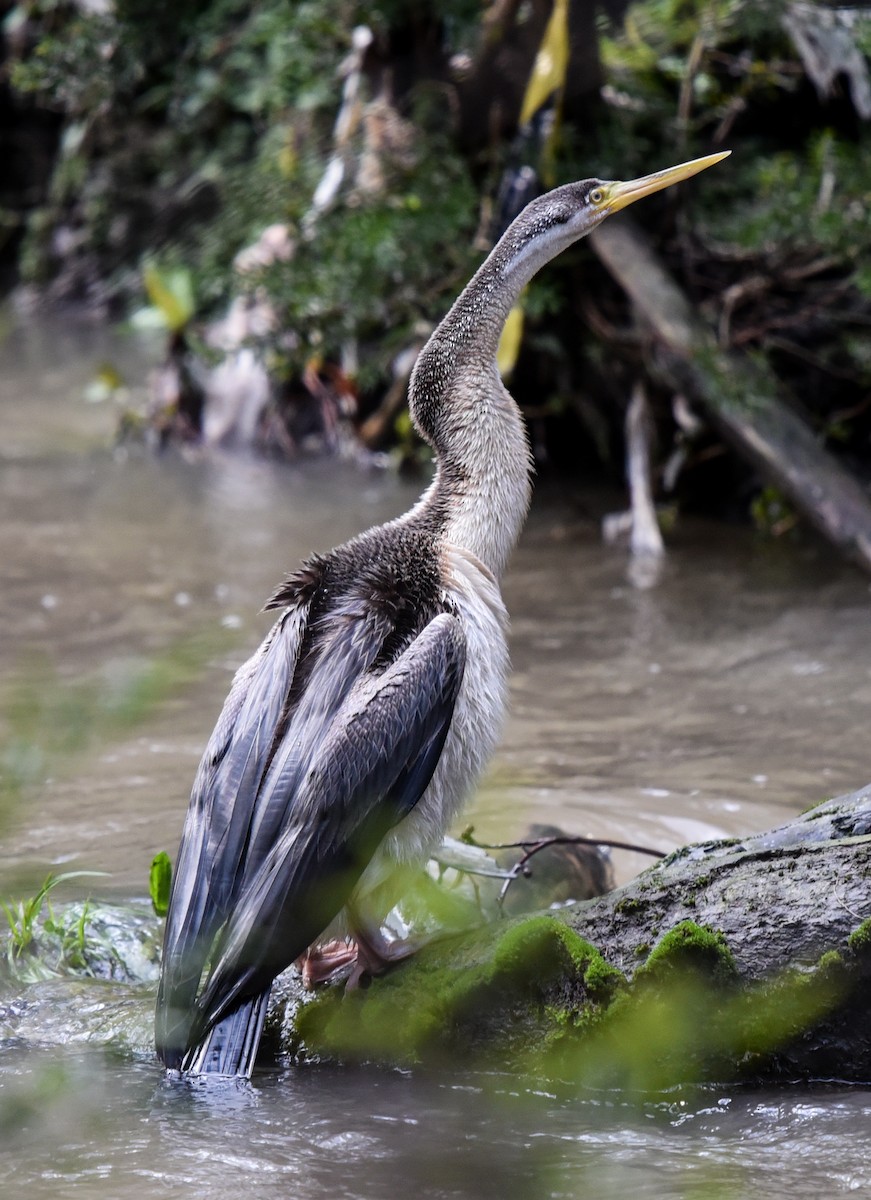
column 495, row 996
column 690, row 947
column 770, row 983
column 538, row 998
column 859, row 940
column 766, row 983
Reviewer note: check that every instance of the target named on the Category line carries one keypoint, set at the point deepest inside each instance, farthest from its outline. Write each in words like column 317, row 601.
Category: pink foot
column 375, row 953
column 322, row 964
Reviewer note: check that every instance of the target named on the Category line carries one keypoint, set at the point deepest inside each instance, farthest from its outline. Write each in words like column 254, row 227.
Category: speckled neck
column 460, row 406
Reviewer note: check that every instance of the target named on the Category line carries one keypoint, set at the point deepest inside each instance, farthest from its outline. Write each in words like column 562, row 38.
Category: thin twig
column 570, row 840
column 532, row 847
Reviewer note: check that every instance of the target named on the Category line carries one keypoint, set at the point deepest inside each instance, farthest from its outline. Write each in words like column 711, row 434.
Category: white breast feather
column 477, row 721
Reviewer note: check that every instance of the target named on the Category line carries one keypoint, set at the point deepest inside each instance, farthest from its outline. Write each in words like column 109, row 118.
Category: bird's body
column 352, row 737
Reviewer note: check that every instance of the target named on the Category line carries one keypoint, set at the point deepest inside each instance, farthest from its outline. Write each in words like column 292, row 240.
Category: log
column 732, row 959
column 739, row 394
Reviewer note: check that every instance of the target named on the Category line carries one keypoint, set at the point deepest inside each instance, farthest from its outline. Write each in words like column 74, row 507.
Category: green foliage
column 171, row 293
column 72, row 934
column 22, row 917
column 69, row 68
column 166, row 106
column 683, row 68
column 190, row 127
column 191, row 61
column 372, row 271
column 78, row 939
column 811, row 198
column 680, row 66
column 159, row 883
column 232, row 133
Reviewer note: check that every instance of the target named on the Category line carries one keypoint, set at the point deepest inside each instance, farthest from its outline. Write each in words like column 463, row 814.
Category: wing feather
column 296, row 782
column 216, row 827
column 370, row 770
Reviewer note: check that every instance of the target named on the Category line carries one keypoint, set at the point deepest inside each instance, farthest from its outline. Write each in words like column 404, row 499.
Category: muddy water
column 723, row 701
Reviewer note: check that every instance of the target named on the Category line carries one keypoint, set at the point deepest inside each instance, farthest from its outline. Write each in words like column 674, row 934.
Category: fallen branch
column 739, row 394
column 640, row 522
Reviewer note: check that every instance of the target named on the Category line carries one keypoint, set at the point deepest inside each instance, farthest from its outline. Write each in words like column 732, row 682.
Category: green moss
column 830, row 965
column 601, row 980
column 859, row 940
column 484, row 997
column 815, row 808
column 628, row 906
column 531, row 945
column 537, row 997
column 690, row 947
column 775, row 1013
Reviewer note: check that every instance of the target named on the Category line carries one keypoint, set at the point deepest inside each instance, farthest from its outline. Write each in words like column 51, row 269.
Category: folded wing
column 297, row 788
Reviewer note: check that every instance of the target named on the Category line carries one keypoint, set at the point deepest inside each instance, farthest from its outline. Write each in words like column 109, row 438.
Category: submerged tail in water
column 230, row 1047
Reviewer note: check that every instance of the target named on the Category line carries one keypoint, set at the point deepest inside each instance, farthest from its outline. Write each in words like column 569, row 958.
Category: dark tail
column 230, row 1047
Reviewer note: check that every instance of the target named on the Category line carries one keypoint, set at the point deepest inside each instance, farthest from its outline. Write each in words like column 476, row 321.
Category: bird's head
column 553, row 221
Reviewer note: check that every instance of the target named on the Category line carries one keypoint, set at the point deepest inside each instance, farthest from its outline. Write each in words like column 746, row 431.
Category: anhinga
column 352, row 737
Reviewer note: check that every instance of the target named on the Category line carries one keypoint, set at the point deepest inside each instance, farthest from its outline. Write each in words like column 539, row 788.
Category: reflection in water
column 722, row 701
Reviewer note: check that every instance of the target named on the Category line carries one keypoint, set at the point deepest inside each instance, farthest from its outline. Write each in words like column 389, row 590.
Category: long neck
column 461, row 408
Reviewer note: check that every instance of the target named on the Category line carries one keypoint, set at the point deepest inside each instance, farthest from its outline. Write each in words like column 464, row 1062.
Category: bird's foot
column 376, row 953
column 327, row 963
column 356, row 959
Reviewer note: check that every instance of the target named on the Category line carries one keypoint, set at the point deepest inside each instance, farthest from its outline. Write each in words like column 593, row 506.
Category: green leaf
column 159, row 881
column 172, row 294
column 22, row 915
column 551, row 63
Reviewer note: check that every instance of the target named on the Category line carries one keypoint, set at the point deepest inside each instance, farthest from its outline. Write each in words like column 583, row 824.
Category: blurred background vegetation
column 149, row 146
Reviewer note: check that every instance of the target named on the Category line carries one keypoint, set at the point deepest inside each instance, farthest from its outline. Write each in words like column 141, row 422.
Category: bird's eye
column 596, row 196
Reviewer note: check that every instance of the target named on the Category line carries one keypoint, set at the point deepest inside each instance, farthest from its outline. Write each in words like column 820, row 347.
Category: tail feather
column 230, row 1047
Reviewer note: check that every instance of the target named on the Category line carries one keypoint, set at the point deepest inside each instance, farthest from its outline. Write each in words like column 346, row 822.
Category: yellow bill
column 615, row 196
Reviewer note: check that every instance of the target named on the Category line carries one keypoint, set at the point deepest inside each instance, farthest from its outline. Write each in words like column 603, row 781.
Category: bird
column 352, row 737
